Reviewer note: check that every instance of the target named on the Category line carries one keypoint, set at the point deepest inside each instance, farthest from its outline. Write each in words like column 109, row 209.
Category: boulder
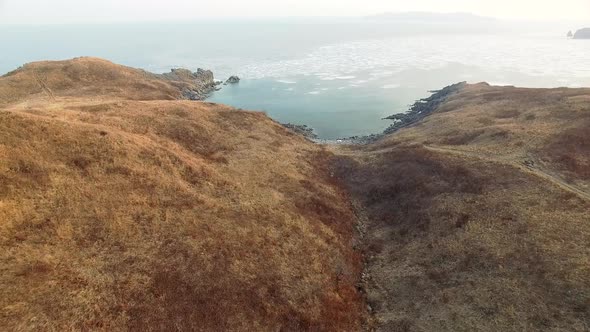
column 233, row 80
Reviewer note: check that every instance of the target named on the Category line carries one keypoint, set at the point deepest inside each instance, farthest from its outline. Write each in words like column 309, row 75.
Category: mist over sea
column 340, row 77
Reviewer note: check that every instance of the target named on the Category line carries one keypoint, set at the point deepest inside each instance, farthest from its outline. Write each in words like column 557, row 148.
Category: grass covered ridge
column 121, row 214
column 478, row 217
column 123, row 208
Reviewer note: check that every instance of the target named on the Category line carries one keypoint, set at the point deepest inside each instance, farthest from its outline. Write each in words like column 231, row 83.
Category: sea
column 338, row 76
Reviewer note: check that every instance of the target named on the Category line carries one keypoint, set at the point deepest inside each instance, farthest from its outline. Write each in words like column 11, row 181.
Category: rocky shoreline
column 418, row 111
column 422, row 108
column 197, row 85
column 202, row 83
column 302, row 130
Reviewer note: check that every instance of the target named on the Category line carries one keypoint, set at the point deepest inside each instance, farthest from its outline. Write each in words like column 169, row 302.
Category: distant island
column 582, row 34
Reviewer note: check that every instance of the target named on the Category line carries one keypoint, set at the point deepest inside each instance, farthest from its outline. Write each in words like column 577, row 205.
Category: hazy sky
column 67, row 11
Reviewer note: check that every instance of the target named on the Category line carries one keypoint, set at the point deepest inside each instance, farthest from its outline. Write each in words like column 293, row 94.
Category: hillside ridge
column 123, row 207
column 126, row 206
column 90, row 77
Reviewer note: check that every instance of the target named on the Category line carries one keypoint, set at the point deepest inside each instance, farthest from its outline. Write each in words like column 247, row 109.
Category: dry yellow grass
column 544, row 128
column 91, row 78
column 119, row 211
column 478, row 217
column 122, row 208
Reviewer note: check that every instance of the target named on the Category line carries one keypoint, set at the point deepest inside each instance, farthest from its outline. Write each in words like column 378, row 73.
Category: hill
column 98, row 78
column 582, row 34
column 125, row 207
column 122, row 208
column 476, row 217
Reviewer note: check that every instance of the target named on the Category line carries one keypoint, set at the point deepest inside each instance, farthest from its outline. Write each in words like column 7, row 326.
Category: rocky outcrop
column 422, row 108
column 232, row 80
column 303, row 130
column 582, row 34
column 196, row 86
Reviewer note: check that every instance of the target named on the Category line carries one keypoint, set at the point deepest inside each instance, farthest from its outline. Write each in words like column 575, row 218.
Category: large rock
column 197, row 86
column 233, row 80
column 205, row 76
column 582, row 34
column 201, row 76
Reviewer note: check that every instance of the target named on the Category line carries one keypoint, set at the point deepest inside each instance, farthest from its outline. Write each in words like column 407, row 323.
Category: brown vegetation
column 122, row 208
column 548, row 127
column 124, row 214
column 92, row 78
column 471, row 224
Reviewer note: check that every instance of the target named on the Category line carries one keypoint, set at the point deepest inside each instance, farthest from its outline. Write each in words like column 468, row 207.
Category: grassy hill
column 92, row 78
column 123, row 209
column 478, row 217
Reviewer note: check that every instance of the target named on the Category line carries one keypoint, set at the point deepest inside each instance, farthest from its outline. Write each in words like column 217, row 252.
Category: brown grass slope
column 478, row 217
column 155, row 215
column 546, row 129
column 87, row 77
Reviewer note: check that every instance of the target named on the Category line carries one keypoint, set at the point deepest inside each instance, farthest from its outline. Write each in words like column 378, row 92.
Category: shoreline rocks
column 197, row 85
column 422, row 108
column 303, row 130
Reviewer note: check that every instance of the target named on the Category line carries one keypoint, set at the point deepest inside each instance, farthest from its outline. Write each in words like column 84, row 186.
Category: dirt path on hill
column 44, row 86
column 530, row 168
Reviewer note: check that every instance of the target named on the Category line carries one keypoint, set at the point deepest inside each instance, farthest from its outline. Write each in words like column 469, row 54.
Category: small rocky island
column 582, row 34
column 232, row 80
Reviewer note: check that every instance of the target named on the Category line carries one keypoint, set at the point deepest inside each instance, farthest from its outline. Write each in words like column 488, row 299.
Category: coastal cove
column 340, row 78
column 196, row 215
column 339, row 106
column 295, row 166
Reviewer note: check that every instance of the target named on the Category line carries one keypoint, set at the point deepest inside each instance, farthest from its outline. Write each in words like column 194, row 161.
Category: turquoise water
column 334, row 110
column 340, row 77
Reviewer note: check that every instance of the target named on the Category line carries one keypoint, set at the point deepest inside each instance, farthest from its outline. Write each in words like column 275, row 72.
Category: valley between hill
column 124, row 207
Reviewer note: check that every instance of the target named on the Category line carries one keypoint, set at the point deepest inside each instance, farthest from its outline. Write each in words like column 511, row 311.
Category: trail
column 43, row 86
column 531, row 168
column 527, row 168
